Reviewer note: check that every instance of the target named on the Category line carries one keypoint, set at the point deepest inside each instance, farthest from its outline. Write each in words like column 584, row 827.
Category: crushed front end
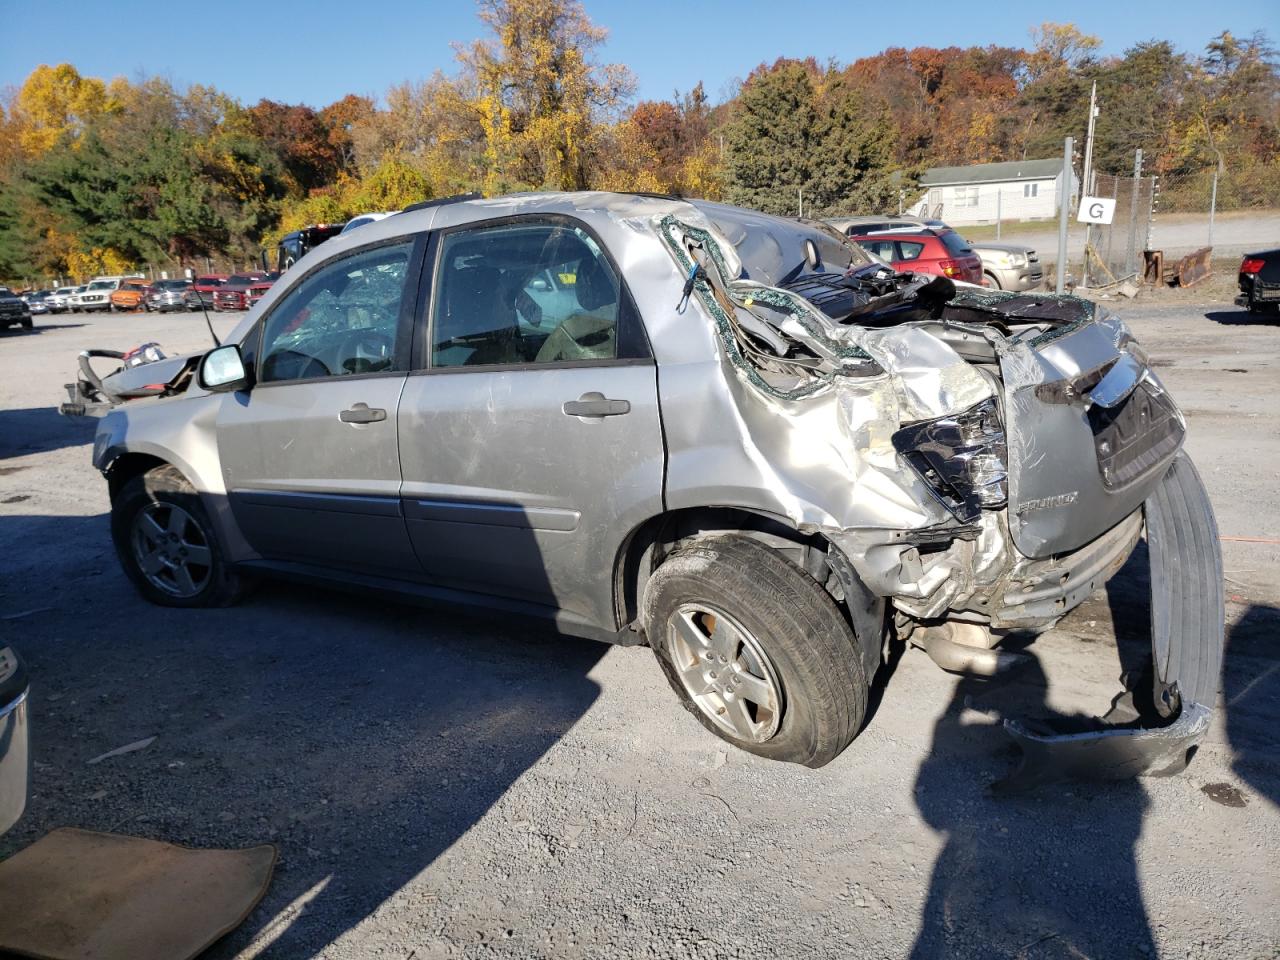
column 1001, row 455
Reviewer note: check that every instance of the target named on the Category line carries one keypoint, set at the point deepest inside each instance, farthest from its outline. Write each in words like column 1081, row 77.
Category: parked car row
column 931, row 246
column 136, row 293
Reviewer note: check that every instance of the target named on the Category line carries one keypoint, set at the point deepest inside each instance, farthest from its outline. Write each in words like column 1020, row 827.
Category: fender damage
column 982, row 461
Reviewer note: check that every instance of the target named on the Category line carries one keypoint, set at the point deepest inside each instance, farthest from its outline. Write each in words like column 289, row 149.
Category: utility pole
column 1064, row 211
column 1213, row 204
column 1088, row 176
column 999, row 194
column 800, row 194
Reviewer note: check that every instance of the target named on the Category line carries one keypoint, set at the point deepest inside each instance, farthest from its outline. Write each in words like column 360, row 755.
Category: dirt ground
column 447, row 786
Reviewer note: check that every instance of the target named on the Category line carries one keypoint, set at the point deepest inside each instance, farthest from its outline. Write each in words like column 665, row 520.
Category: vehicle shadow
column 1075, row 892
column 38, row 327
column 363, row 737
column 41, row 429
column 1251, row 698
column 1242, row 318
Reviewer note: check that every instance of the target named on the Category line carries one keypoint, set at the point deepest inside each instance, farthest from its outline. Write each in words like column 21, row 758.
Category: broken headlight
column 961, row 457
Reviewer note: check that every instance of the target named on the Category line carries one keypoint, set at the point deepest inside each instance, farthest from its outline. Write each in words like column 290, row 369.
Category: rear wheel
column 167, row 543
column 756, row 650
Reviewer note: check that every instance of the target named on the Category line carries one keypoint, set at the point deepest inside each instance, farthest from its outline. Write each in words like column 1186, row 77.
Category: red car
column 258, row 290
column 941, row 252
column 203, row 288
column 234, row 294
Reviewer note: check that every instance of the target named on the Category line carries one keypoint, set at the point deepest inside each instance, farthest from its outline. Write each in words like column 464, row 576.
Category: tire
column 790, row 638
column 28, row 323
column 995, row 281
column 142, row 513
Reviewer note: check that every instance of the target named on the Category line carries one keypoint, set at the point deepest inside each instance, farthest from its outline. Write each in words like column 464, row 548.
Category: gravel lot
column 442, row 786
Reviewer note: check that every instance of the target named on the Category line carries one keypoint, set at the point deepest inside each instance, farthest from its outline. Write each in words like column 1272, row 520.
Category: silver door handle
column 362, row 413
column 595, row 404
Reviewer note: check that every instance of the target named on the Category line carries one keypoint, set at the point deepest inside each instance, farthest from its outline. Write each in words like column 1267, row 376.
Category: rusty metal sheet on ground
column 77, row 895
column 1195, row 267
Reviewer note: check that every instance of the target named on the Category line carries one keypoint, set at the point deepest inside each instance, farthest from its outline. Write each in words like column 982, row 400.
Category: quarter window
column 521, row 294
column 910, row 250
column 341, row 320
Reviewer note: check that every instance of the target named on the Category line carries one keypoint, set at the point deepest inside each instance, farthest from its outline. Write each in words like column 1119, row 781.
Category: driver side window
column 523, row 293
column 340, row 321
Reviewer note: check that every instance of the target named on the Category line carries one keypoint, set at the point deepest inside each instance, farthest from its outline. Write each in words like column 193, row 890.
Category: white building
column 986, row 192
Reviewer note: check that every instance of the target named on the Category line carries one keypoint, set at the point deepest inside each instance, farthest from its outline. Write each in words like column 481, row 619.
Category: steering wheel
column 367, row 351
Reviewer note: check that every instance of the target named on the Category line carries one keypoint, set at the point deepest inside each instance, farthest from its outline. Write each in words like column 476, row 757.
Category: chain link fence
column 1115, row 251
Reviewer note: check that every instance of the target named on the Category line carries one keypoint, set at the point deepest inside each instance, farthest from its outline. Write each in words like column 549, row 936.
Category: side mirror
column 222, row 370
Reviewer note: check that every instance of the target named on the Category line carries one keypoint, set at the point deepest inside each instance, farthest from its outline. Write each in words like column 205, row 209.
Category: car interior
column 523, row 294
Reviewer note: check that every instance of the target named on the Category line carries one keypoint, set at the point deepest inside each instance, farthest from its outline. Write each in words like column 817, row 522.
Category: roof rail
column 457, row 198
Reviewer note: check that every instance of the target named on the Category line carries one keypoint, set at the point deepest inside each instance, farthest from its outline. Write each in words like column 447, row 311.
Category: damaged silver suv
column 730, row 436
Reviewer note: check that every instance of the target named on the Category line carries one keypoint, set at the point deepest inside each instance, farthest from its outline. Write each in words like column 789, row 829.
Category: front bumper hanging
column 1187, row 616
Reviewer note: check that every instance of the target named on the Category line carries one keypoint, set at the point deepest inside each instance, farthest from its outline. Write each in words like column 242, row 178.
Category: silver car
column 1009, row 266
column 729, row 436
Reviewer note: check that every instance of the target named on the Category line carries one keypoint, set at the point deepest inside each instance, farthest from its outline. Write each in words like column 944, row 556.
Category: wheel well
column 127, row 466
column 647, row 545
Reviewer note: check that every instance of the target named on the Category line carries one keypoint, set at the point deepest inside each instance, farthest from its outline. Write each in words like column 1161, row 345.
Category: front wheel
column 167, row 543
column 756, row 650
column 992, row 281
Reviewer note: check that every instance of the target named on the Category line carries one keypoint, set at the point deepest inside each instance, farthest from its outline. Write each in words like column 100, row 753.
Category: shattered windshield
column 773, row 250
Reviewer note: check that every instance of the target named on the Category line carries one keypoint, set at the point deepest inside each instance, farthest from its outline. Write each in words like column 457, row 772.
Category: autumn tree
column 300, row 138
column 541, row 97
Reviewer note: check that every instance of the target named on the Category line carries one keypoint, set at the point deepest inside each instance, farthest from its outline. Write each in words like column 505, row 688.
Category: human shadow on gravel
column 1051, row 873
column 362, row 736
column 41, row 429
column 1251, row 699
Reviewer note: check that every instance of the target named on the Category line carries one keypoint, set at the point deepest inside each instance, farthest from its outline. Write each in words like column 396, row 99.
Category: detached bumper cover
column 1187, row 614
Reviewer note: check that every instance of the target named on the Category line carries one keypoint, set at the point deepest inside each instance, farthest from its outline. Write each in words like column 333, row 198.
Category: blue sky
column 314, row 51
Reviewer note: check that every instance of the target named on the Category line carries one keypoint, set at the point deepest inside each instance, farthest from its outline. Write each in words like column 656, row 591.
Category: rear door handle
column 362, row 413
column 596, row 404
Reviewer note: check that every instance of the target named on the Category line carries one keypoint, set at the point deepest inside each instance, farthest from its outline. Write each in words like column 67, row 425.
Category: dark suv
column 13, row 310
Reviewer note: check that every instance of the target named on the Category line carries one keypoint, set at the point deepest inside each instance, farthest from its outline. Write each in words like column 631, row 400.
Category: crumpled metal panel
column 1058, row 499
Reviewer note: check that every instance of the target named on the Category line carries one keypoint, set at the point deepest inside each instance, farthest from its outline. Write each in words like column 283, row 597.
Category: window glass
column 879, row 248
column 524, row 293
column 341, row 320
column 909, row 249
column 955, row 243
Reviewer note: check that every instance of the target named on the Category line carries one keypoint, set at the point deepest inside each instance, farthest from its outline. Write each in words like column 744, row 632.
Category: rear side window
column 342, row 320
column 879, row 248
column 522, row 294
column 955, row 243
column 909, row 249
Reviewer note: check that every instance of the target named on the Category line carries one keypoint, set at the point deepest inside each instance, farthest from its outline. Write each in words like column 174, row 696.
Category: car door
column 530, row 443
column 310, row 453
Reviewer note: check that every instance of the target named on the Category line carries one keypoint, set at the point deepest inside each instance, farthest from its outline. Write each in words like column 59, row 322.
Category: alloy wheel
column 725, row 672
column 171, row 549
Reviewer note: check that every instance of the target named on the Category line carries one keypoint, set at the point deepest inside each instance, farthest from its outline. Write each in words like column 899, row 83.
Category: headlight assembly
column 962, row 458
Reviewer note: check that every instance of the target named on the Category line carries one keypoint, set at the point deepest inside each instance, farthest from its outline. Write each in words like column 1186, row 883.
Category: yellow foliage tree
column 54, row 101
column 539, row 97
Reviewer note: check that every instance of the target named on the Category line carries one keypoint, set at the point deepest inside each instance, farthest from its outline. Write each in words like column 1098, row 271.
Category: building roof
column 992, row 172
